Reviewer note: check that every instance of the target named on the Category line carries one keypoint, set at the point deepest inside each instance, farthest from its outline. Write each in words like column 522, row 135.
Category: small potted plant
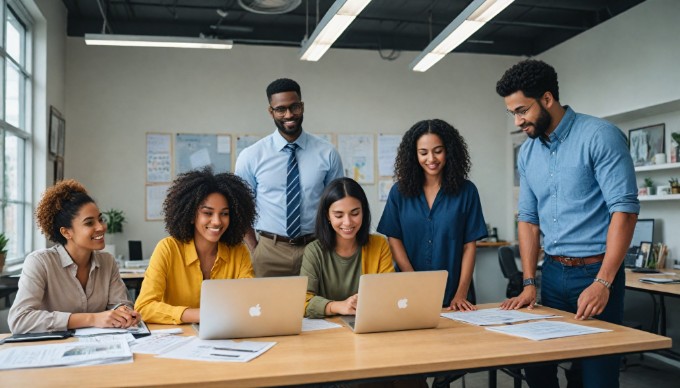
column 649, row 183
column 675, row 186
column 3, row 250
column 114, row 224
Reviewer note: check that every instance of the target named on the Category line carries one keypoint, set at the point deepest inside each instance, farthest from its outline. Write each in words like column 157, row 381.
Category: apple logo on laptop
column 255, row 311
column 402, row 303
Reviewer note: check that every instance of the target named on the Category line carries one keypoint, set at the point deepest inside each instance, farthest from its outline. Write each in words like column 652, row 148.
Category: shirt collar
column 280, row 141
column 66, row 259
column 564, row 127
column 190, row 254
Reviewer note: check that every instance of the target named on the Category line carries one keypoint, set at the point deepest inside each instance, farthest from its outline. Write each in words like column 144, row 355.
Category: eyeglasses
column 295, row 109
column 521, row 112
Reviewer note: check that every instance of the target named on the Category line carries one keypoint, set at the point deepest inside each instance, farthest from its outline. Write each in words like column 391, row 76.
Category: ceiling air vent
column 269, row 6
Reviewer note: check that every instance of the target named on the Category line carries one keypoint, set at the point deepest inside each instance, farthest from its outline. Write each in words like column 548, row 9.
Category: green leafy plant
column 3, row 243
column 676, row 137
column 649, row 182
column 674, row 182
column 114, row 220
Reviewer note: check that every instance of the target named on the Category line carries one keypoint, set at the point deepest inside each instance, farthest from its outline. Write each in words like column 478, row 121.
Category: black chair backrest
column 506, row 259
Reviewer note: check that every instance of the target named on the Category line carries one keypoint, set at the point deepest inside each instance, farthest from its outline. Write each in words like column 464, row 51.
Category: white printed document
column 158, row 343
column 66, row 354
column 218, row 350
column 494, row 316
column 543, row 330
column 309, row 324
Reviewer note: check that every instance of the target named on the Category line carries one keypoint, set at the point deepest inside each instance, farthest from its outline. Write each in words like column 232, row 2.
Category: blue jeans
column 560, row 288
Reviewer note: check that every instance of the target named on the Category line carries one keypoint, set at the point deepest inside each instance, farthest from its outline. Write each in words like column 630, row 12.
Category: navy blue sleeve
column 475, row 226
column 390, row 224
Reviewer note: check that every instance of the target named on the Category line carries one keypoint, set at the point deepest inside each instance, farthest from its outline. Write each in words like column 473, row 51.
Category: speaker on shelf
column 135, row 250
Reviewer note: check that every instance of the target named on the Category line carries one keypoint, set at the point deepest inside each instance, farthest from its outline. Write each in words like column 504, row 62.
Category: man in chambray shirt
column 263, row 165
column 577, row 190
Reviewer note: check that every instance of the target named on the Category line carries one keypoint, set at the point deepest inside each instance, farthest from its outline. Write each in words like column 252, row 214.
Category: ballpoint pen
column 236, row 350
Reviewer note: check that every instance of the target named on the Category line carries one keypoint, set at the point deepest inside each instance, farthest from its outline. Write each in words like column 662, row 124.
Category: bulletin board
column 194, row 151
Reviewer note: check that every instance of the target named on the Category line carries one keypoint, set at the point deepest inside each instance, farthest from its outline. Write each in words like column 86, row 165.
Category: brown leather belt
column 302, row 240
column 578, row 261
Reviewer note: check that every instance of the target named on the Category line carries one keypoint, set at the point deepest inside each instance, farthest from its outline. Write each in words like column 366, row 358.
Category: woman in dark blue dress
column 433, row 216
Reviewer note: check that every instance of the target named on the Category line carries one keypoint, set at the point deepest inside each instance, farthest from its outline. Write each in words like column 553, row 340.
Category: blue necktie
column 292, row 193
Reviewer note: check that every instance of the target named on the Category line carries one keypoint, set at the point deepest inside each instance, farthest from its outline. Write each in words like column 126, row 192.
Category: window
column 15, row 131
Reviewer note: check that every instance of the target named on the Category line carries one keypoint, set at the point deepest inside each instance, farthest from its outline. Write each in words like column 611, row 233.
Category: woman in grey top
column 70, row 285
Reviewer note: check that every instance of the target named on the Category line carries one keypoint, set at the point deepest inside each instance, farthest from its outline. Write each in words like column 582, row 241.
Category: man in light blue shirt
column 577, row 190
column 266, row 166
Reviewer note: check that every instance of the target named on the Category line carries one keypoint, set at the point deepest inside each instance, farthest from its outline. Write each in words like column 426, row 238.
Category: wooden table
column 662, row 290
column 340, row 355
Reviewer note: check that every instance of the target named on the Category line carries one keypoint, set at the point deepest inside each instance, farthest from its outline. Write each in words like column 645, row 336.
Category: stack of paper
column 66, row 354
column 494, row 316
column 659, row 280
column 218, row 350
column 543, row 330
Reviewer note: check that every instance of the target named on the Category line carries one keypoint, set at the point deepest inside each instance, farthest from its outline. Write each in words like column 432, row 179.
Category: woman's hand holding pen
column 122, row 317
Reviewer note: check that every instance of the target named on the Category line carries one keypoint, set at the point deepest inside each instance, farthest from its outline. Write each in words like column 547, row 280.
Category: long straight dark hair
column 335, row 191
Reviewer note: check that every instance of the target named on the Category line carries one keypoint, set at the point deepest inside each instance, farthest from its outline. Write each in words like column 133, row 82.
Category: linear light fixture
column 471, row 19
column 156, row 41
column 339, row 16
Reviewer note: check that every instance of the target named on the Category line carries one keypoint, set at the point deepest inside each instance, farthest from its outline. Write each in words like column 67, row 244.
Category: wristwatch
column 529, row 282
column 603, row 282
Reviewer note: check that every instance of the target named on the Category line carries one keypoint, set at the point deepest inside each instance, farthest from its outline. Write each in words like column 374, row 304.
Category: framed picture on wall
column 56, row 127
column 646, row 142
column 58, row 169
column 643, row 254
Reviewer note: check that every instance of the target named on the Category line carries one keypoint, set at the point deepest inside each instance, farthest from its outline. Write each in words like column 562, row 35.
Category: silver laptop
column 399, row 301
column 239, row 308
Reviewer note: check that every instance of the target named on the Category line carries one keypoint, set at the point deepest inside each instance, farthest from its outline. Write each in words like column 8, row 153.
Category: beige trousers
column 272, row 259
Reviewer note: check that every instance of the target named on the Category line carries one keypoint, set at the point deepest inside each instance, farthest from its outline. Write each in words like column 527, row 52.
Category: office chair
column 506, row 259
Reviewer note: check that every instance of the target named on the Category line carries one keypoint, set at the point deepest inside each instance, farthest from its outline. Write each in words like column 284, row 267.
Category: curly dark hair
column 409, row 173
column 190, row 189
column 58, row 207
column 335, row 191
column 532, row 77
column 283, row 85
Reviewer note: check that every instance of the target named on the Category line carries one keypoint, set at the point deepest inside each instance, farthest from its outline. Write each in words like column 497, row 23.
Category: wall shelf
column 658, row 167
column 664, row 197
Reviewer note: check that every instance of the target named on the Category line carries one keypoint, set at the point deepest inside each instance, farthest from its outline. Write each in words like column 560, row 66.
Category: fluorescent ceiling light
column 339, row 16
column 471, row 19
column 156, row 41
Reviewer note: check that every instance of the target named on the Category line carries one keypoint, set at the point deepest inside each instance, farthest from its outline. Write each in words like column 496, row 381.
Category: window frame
column 22, row 239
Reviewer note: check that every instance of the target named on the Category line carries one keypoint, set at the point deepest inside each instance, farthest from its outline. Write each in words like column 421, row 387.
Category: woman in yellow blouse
column 206, row 216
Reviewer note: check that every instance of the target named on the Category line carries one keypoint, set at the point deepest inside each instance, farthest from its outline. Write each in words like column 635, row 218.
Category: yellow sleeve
column 376, row 256
column 157, row 277
column 245, row 264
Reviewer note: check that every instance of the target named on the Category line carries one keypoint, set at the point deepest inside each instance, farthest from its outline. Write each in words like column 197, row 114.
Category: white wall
column 116, row 95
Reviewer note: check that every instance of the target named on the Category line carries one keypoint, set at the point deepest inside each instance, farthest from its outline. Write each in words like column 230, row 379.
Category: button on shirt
column 263, row 166
column 434, row 238
column 49, row 290
column 571, row 184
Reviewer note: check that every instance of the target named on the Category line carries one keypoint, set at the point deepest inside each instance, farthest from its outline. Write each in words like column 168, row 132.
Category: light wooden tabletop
column 338, row 354
column 633, row 282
